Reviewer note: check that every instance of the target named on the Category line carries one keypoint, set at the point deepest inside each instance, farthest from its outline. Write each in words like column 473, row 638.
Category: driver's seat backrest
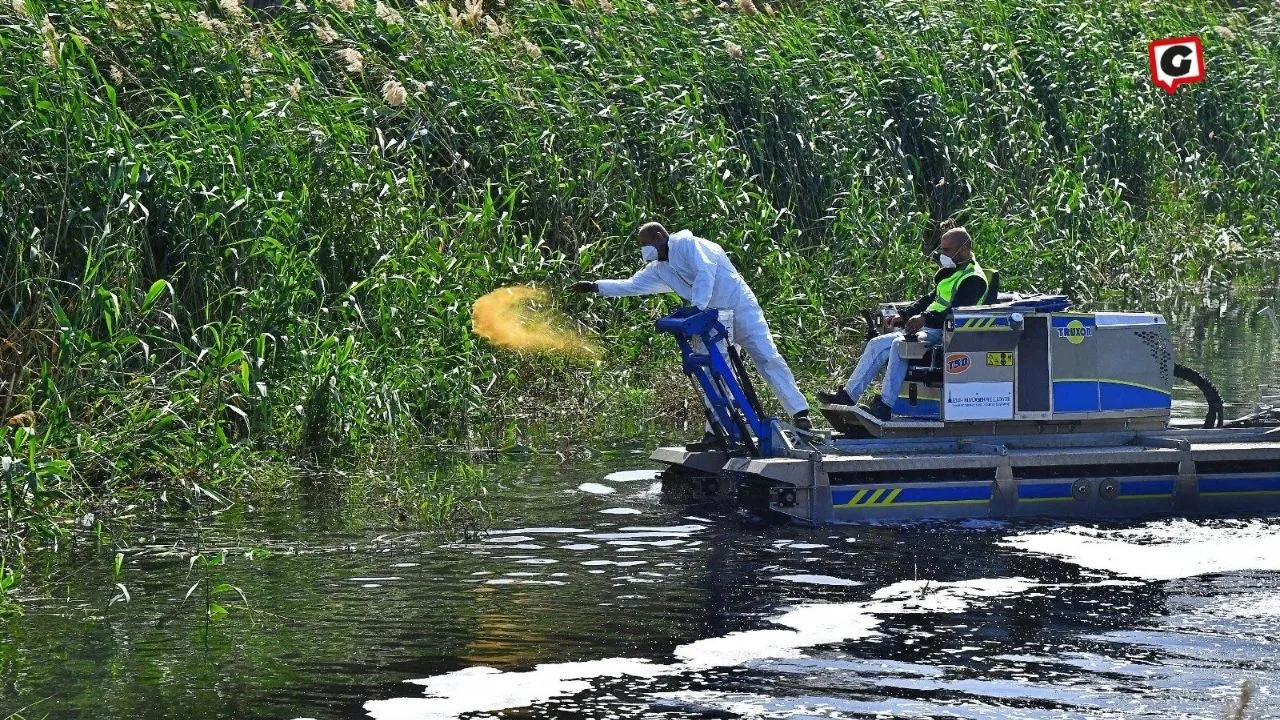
column 993, row 286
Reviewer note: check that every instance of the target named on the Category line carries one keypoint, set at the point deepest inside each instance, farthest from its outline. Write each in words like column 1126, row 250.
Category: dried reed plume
column 530, row 49
column 50, row 35
column 210, row 24
column 734, row 50
column 231, row 8
column 389, row 15
column 294, row 89
column 495, row 28
column 353, row 59
column 324, row 32
column 768, row 10
column 471, row 15
column 651, row 8
column 393, row 92
column 117, row 76
column 748, row 7
column 345, row 5
column 1225, row 32
column 20, row 9
column 606, row 7
column 510, row 317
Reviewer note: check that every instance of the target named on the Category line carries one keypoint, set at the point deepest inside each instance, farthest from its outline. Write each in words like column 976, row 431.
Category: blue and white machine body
column 1036, row 360
column 1026, row 410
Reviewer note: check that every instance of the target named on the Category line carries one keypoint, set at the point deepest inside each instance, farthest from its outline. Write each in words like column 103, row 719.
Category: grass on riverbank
column 238, row 240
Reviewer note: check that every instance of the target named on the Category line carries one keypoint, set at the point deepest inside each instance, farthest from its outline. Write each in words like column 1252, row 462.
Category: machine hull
column 1107, row 475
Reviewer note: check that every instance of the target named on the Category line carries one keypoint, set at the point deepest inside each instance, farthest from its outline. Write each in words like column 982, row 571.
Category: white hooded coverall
column 699, row 271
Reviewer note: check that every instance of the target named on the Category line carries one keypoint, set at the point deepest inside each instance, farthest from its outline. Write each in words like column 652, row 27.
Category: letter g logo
column 1176, row 61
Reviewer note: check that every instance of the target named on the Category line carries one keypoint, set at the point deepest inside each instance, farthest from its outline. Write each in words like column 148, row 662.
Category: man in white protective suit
column 699, row 271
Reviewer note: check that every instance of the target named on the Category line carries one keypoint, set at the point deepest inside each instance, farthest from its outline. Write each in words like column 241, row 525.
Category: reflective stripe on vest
column 947, row 288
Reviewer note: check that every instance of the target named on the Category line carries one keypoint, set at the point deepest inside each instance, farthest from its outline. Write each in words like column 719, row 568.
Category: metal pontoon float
column 1024, row 410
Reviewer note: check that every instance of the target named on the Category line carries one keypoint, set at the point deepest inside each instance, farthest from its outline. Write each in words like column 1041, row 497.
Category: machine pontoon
column 1025, row 409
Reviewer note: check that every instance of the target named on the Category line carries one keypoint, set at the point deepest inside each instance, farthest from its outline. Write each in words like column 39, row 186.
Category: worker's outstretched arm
column 645, row 282
column 704, row 284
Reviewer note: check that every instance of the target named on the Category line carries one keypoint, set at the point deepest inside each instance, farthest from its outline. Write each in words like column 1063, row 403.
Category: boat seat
column 927, row 368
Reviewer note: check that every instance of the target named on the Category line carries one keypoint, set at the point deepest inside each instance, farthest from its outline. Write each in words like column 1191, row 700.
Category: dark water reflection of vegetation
column 334, row 615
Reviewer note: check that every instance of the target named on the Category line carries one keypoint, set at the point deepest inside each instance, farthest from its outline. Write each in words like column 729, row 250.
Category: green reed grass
column 225, row 248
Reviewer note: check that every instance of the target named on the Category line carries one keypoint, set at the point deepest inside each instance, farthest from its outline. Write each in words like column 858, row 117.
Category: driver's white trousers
column 879, row 350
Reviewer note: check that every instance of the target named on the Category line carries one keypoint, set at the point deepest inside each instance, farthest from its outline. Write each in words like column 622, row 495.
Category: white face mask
column 649, row 253
column 946, row 261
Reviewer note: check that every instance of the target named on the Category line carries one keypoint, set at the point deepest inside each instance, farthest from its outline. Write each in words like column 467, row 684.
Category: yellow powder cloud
column 516, row 318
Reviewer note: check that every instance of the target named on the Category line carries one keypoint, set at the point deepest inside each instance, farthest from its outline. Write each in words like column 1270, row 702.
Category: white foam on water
column 669, row 529
column 1163, row 550
column 596, row 489
column 1257, row 606
column 539, row 531
column 631, row 535
column 632, row 475
column 620, row 511
column 579, row 546
column 509, row 539
column 816, row 580
column 374, row 579
column 644, row 533
column 485, row 689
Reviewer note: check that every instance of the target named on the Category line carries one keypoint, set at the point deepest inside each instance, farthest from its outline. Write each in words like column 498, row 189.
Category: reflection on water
column 592, row 598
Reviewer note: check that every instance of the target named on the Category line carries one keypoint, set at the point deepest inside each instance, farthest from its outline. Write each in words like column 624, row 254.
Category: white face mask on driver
column 649, row 253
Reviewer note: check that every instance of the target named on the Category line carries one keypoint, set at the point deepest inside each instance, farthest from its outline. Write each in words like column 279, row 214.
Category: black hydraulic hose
column 1211, row 395
column 747, row 386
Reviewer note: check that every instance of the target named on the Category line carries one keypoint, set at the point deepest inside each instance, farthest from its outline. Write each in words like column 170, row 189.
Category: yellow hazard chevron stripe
column 870, row 498
column 980, row 323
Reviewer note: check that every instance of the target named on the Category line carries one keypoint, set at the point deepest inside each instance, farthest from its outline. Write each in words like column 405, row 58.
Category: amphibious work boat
column 1024, row 410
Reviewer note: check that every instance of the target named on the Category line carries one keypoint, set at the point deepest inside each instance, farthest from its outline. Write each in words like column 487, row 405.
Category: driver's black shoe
column 801, row 420
column 708, row 443
column 880, row 410
column 839, row 397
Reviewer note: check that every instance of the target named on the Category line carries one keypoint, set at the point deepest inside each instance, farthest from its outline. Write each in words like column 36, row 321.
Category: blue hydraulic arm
column 734, row 417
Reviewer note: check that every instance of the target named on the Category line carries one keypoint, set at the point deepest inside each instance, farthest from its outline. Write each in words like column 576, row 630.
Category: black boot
column 880, row 410
column 801, row 420
column 839, row 397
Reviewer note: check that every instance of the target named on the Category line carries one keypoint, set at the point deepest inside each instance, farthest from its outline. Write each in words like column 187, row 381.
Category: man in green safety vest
column 960, row 282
